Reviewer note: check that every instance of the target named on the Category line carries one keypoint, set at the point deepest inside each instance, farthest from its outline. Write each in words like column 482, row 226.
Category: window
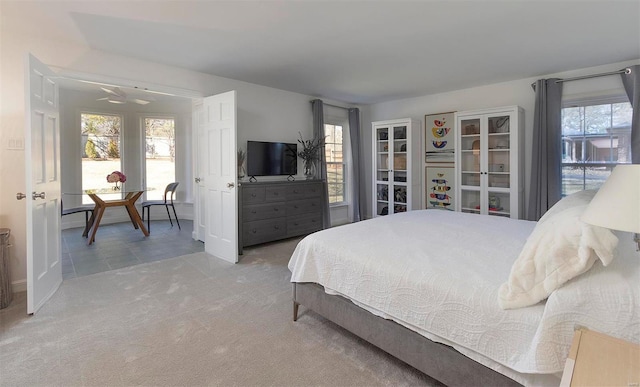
column 160, row 155
column 100, row 149
column 335, row 163
column 596, row 137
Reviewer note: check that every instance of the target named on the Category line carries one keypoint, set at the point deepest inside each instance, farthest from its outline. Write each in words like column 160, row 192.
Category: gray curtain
column 359, row 194
column 546, row 155
column 631, row 84
column 317, row 107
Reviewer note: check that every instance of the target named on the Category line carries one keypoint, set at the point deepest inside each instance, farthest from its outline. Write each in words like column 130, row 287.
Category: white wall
column 501, row 94
column 263, row 113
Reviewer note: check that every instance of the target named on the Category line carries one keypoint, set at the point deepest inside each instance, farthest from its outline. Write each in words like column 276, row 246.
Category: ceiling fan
column 117, row 96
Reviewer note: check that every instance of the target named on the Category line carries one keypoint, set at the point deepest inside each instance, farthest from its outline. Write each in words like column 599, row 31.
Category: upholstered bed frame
column 439, row 361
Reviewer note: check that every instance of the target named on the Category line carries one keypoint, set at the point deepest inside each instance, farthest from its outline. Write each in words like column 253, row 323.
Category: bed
column 424, row 285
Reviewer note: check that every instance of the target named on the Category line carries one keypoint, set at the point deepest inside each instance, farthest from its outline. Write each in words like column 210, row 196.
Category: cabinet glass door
column 383, row 169
column 399, row 169
column 498, row 164
column 470, row 200
column 470, row 152
column 499, row 151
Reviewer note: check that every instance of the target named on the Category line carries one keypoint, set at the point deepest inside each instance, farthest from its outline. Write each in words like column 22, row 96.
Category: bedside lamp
column 617, row 203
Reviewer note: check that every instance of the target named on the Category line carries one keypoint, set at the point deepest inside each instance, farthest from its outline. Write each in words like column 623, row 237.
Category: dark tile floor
column 120, row 245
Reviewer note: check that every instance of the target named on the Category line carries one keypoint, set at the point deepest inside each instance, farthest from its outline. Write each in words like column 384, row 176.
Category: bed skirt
column 439, row 361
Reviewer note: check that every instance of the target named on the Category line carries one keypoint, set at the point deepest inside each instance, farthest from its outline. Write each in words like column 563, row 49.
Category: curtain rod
column 328, row 104
column 623, row 71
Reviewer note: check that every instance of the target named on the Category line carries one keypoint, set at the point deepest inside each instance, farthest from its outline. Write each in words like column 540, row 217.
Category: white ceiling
column 354, row 51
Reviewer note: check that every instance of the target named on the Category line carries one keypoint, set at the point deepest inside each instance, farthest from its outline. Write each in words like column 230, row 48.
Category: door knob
column 20, row 196
column 230, row 185
column 197, row 179
column 35, row 195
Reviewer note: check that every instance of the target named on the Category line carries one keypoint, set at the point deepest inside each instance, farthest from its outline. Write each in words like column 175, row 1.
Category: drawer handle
column 313, row 220
column 253, row 231
column 253, row 211
column 313, row 204
column 295, row 206
column 275, row 209
column 276, row 193
column 295, row 191
column 253, row 195
column 276, row 227
column 295, row 224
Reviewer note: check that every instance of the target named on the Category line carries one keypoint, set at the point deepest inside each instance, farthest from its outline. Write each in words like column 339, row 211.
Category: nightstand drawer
column 251, row 195
column 260, row 231
column 264, row 211
column 298, row 207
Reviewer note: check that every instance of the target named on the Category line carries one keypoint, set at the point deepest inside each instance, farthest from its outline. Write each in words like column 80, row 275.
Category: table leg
column 99, row 210
column 131, row 216
column 135, row 218
column 131, row 199
column 92, row 219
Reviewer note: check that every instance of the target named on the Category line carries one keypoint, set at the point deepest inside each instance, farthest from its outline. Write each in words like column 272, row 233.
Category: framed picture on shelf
column 440, row 187
column 440, row 137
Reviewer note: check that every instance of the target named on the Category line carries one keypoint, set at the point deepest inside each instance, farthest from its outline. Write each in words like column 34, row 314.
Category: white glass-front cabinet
column 490, row 162
column 397, row 150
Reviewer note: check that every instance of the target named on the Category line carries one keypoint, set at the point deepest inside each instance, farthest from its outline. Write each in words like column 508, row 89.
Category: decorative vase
column 116, row 187
column 309, row 169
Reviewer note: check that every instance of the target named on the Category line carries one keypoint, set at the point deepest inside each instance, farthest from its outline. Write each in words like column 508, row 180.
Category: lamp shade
column 617, row 203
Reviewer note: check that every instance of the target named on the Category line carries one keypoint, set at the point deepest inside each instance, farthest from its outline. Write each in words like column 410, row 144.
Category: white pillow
column 579, row 198
column 560, row 248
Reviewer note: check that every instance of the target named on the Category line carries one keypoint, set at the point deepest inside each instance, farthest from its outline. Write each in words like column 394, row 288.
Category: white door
column 200, row 146
column 42, row 159
column 218, row 173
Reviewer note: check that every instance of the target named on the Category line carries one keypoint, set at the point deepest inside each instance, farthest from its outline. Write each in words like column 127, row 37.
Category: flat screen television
column 271, row 158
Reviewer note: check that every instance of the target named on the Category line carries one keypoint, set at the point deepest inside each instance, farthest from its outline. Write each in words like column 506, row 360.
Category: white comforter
column 438, row 272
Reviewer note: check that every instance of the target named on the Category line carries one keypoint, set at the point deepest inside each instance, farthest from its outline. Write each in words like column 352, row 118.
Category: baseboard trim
column 19, row 286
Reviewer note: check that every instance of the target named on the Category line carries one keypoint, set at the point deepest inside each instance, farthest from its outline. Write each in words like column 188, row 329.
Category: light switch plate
column 15, row 143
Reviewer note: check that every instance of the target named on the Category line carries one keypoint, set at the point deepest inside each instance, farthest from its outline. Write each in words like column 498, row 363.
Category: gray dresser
column 271, row 211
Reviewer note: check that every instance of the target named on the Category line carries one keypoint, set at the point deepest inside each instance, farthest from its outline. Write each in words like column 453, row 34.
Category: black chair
column 86, row 208
column 169, row 191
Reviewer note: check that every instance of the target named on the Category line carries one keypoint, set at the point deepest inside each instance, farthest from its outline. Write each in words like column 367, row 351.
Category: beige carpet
column 191, row 320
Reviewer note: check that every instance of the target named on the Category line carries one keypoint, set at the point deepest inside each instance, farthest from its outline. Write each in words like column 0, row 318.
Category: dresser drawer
column 303, row 224
column 251, row 195
column 298, row 207
column 260, row 231
column 264, row 211
column 275, row 193
column 302, row 191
